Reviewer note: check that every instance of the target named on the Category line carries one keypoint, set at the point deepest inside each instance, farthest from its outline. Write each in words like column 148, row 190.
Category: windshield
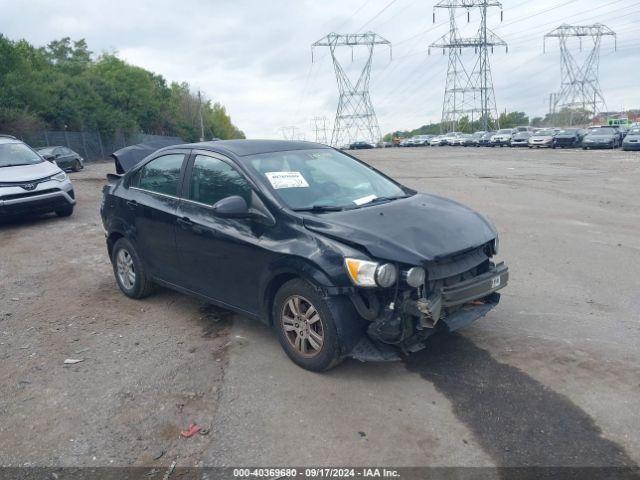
column 567, row 132
column 321, row 178
column 603, row 131
column 546, row 133
column 634, row 131
column 14, row 154
column 46, row 150
column 508, row 130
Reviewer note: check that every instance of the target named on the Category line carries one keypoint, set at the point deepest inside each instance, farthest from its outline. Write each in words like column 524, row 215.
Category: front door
column 221, row 257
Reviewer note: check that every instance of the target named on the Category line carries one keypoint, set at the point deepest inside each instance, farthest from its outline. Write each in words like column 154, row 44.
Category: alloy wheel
column 126, row 271
column 302, row 326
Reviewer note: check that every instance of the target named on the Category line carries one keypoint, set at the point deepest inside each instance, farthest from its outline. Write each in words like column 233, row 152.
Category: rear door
column 153, row 201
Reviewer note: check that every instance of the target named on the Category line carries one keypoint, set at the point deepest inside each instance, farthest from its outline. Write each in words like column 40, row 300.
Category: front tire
column 306, row 329
column 76, row 166
column 129, row 271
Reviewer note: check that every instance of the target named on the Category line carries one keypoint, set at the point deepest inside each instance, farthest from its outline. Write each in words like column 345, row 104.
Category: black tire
column 65, row 211
column 142, row 285
column 76, row 166
column 328, row 356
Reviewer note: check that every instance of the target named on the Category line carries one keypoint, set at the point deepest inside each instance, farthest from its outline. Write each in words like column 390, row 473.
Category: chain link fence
column 90, row 145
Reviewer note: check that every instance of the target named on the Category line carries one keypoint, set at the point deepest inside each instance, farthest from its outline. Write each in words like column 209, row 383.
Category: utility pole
column 355, row 117
column 468, row 91
column 200, row 113
column 319, row 126
column 579, row 83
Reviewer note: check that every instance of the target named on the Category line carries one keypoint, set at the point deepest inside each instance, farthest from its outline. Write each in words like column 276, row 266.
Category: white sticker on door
column 286, row 180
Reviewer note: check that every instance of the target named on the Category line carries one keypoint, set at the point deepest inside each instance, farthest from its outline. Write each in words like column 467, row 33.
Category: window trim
column 186, row 183
column 134, row 171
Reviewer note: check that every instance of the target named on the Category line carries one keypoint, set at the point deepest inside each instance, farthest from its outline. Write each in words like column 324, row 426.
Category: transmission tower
column 468, row 91
column 319, row 127
column 579, row 84
column 289, row 133
column 355, row 117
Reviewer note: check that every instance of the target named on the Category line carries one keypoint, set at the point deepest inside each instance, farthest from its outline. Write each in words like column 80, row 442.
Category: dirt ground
column 550, row 377
column 149, row 369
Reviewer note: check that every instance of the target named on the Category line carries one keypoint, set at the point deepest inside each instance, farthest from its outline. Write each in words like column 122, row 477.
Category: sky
column 254, row 56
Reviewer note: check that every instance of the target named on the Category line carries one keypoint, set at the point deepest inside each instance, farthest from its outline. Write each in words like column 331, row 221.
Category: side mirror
column 49, row 158
column 57, row 155
column 231, row 207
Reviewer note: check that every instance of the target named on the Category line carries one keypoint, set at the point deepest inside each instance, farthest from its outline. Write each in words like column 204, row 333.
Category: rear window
column 15, row 154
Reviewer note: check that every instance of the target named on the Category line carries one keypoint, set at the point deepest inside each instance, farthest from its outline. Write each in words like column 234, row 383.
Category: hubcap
column 126, row 272
column 302, row 326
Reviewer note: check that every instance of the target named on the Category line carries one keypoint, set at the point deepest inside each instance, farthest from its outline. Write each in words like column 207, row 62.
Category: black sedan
column 603, row 137
column 521, row 139
column 340, row 259
column 361, row 145
column 569, row 137
column 64, row 157
column 632, row 140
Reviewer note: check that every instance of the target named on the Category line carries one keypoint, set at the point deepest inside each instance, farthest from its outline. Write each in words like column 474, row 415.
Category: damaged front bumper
column 403, row 326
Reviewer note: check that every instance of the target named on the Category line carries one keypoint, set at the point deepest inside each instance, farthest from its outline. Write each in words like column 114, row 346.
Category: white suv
column 31, row 185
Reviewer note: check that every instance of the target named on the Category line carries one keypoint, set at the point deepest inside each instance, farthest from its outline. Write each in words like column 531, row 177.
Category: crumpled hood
column 26, row 173
column 412, row 230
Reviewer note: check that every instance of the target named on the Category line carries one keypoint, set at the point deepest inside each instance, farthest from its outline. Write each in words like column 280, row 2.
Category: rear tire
column 64, row 211
column 76, row 166
column 305, row 325
column 131, row 276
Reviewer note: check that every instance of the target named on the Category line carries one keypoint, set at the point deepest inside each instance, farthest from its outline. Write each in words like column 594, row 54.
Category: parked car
column 569, row 137
column 542, row 138
column 361, row 145
column 604, row 137
column 64, row 157
column 521, row 138
column 485, row 140
column 502, row 138
column 474, row 140
column 31, row 185
column 437, row 141
column 340, row 259
column 422, row 140
column 466, row 140
column 450, row 138
column 632, row 140
column 406, row 142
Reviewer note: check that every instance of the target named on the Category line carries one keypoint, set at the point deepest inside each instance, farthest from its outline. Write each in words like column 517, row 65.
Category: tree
column 63, row 86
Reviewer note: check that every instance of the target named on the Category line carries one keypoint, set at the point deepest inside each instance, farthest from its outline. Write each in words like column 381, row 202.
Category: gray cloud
column 255, row 56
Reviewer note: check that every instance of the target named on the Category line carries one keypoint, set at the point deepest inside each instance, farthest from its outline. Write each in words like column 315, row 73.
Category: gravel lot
column 550, row 377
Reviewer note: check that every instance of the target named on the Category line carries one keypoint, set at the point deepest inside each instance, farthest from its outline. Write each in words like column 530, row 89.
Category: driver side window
column 212, row 180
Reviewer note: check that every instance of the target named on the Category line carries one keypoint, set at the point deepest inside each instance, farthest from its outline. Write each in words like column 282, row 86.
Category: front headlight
column 59, row 177
column 364, row 273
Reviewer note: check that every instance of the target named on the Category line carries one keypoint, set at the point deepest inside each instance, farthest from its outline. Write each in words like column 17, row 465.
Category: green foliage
column 61, row 86
column 567, row 117
column 513, row 119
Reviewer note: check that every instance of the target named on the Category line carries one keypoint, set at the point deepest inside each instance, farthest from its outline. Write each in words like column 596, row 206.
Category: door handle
column 185, row 222
column 132, row 204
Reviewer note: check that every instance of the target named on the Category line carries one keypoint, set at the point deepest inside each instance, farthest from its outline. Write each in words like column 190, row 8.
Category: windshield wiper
column 16, row 164
column 319, row 208
column 384, row 199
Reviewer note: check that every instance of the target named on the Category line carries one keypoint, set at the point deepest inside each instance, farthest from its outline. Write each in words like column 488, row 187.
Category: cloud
column 255, row 56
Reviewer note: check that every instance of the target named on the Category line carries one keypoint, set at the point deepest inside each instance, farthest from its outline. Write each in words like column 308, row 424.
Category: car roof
column 242, row 148
column 8, row 139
